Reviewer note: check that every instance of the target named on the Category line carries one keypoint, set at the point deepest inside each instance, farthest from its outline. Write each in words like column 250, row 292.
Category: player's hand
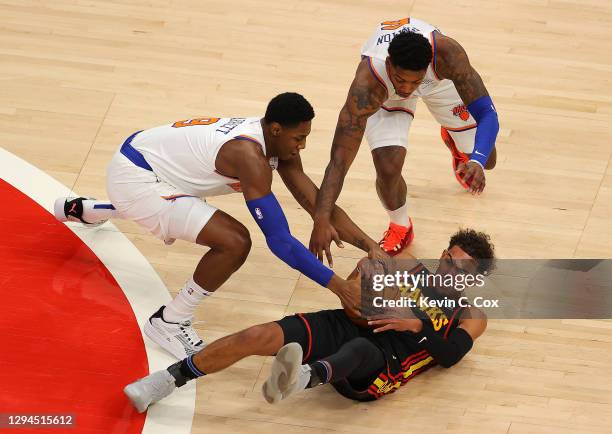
column 376, row 253
column 413, row 325
column 349, row 293
column 323, row 233
column 473, row 175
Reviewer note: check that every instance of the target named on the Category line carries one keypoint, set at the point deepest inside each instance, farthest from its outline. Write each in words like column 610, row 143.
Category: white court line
column 140, row 283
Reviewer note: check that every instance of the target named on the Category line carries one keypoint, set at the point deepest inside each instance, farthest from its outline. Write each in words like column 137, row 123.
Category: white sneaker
column 179, row 339
column 70, row 209
column 288, row 375
column 150, row 389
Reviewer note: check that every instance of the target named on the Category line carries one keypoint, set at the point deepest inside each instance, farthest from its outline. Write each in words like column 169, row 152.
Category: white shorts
column 390, row 125
column 139, row 195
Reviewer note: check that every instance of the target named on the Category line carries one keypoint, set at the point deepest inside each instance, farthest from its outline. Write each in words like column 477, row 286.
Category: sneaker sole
column 152, row 333
column 58, row 209
column 134, row 393
column 58, row 212
column 285, row 370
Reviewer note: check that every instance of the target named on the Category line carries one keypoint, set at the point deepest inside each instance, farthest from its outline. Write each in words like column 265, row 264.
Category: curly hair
column 476, row 244
column 289, row 109
column 410, row 50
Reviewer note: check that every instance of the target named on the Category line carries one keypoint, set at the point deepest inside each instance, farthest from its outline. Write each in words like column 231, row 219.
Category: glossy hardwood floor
column 77, row 77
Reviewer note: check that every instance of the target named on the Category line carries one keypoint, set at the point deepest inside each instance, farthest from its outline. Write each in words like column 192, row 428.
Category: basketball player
column 328, row 347
column 158, row 179
column 403, row 61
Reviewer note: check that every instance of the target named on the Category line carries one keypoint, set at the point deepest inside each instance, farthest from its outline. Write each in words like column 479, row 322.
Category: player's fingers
column 337, row 240
column 383, row 328
column 476, row 186
column 378, row 322
column 330, row 260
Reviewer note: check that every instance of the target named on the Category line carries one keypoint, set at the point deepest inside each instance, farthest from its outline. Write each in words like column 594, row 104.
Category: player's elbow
column 446, row 363
column 280, row 245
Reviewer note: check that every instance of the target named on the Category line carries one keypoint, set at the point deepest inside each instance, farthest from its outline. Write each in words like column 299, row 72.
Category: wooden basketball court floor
column 78, row 76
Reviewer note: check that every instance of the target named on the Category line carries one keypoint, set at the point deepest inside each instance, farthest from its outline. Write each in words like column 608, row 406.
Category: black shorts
column 321, row 334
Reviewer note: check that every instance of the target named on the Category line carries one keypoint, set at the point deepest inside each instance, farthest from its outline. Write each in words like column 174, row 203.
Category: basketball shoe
column 179, row 339
column 458, row 156
column 287, row 376
column 150, row 389
column 397, row 238
column 70, row 209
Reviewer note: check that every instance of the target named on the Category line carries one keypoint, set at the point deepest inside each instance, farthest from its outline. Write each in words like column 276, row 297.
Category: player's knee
column 261, row 333
column 243, row 244
column 360, row 347
column 388, row 173
column 237, row 243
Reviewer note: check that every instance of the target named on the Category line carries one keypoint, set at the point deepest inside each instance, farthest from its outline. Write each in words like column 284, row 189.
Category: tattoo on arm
column 365, row 97
column 453, row 63
column 304, row 191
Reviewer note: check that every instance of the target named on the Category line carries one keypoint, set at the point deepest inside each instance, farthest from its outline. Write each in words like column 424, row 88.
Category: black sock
column 319, row 373
column 184, row 371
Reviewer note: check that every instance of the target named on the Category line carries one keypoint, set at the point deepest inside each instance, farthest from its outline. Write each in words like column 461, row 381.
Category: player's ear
column 276, row 129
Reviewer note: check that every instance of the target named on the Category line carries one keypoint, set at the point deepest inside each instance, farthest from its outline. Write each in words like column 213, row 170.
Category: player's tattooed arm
column 305, row 193
column 365, row 97
column 452, row 63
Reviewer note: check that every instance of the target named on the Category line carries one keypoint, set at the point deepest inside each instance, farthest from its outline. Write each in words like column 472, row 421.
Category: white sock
column 185, row 303
column 96, row 210
column 303, row 378
column 400, row 215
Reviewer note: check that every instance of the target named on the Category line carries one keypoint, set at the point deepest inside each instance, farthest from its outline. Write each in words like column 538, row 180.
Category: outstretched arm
column 365, row 97
column 305, row 192
column 453, row 63
column 255, row 174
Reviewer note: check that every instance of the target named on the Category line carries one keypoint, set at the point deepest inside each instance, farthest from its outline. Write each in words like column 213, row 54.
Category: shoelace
column 393, row 236
column 186, row 328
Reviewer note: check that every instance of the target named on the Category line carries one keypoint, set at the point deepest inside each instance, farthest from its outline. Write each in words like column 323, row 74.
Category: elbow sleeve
column 487, row 128
column 271, row 220
column 449, row 351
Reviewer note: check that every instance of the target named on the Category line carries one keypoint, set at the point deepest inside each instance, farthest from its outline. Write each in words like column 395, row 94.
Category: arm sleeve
column 487, row 128
column 449, row 351
column 269, row 215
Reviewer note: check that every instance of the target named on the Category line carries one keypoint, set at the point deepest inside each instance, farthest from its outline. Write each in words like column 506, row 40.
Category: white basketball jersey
column 183, row 154
column 376, row 50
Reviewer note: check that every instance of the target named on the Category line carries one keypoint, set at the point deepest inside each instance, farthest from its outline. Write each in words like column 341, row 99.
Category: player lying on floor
column 362, row 363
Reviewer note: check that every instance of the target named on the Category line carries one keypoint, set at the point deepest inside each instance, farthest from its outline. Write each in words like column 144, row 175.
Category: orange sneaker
column 396, row 238
column 458, row 156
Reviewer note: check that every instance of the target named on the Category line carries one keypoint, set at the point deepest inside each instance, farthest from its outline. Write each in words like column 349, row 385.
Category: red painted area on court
column 69, row 339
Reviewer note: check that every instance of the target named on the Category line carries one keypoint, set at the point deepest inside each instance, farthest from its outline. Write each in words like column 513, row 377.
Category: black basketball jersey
column 406, row 358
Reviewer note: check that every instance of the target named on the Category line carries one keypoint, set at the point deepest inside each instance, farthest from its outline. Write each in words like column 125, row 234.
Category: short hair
column 478, row 245
column 410, row 50
column 289, row 109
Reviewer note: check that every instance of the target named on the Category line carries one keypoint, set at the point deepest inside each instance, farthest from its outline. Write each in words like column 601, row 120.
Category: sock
column 400, row 215
column 320, row 373
column 304, row 378
column 185, row 303
column 184, row 371
column 96, row 210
